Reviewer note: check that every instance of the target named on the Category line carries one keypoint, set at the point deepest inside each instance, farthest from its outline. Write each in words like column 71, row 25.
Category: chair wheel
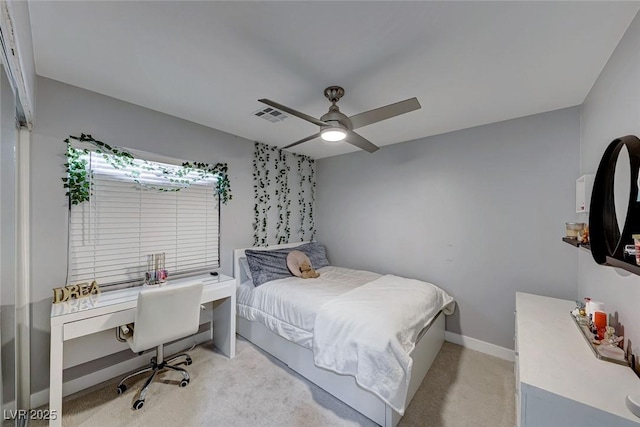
column 121, row 389
column 138, row 404
column 184, row 383
column 189, row 361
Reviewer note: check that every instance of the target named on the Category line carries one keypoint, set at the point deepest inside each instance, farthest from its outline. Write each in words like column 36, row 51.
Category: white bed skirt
column 344, row 387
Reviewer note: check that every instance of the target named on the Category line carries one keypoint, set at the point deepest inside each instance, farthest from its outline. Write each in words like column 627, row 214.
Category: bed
column 301, row 323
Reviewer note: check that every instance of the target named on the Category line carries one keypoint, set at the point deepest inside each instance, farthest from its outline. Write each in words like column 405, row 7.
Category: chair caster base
column 138, row 404
column 121, row 389
column 184, row 383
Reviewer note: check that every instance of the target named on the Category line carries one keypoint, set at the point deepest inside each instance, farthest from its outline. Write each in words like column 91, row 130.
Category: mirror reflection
column 622, row 186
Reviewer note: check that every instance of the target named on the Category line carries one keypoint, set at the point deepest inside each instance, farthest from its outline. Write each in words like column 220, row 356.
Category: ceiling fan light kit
column 335, row 126
column 333, row 134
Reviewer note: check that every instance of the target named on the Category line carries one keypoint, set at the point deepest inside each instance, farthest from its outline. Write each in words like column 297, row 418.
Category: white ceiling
column 468, row 63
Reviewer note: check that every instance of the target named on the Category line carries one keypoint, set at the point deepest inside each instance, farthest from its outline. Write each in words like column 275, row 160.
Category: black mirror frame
column 607, row 240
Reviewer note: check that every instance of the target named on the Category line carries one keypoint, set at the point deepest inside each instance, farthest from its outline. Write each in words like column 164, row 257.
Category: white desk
column 112, row 309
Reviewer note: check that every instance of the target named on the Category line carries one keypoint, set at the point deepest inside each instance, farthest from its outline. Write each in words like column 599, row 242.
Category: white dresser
column 559, row 381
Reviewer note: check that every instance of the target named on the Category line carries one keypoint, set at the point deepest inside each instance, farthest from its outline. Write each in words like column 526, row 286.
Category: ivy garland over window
column 78, row 179
column 270, row 161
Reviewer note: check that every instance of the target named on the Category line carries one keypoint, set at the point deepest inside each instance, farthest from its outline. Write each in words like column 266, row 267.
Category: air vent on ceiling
column 270, row 114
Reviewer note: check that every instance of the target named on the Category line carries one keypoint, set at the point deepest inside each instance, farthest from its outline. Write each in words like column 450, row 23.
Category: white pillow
column 244, row 264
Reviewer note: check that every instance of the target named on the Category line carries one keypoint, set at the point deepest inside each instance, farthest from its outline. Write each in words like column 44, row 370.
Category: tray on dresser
column 586, row 333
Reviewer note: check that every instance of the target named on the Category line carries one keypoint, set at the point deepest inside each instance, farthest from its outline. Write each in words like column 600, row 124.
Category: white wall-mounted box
column 584, row 187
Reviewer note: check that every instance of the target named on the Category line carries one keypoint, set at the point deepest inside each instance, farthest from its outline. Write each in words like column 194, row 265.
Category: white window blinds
column 124, row 221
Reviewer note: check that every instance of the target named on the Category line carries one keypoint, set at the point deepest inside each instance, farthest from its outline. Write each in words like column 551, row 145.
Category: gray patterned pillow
column 268, row 265
column 316, row 253
column 272, row 264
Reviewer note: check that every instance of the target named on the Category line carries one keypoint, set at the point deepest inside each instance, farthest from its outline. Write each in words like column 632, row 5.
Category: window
column 128, row 217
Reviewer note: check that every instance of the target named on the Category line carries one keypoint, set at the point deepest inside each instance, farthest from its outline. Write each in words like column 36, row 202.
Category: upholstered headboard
column 239, row 273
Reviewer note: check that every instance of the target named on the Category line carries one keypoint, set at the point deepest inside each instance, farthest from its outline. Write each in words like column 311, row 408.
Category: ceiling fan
column 335, row 126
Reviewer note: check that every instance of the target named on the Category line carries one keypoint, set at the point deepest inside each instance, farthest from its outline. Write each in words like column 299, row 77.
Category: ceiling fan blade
column 383, row 113
column 303, row 116
column 360, row 142
column 309, row 138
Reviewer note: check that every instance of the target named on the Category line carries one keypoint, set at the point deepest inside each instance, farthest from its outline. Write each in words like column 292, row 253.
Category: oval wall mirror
column 615, row 210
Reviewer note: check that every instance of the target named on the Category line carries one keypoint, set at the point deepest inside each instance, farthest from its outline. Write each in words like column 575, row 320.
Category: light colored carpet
column 462, row 388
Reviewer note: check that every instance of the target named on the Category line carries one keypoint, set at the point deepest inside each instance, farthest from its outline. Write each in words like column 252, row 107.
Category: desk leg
column 55, row 376
column 224, row 325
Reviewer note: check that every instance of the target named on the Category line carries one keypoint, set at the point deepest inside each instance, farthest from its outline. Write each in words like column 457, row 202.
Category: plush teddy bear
column 307, row 272
column 299, row 265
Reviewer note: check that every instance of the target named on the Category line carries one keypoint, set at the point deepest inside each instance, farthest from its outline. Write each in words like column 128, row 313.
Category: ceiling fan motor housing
column 334, row 118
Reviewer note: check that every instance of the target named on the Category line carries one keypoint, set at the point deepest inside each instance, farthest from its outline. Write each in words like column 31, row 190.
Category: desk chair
column 163, row 314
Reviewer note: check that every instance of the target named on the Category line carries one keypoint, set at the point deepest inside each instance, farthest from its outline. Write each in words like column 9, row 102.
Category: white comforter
column 289, row 306
column 352, row 337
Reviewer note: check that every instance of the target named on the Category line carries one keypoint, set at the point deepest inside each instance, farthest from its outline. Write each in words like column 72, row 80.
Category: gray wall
column 478, row 212
column 612, row 109
column 64, row 110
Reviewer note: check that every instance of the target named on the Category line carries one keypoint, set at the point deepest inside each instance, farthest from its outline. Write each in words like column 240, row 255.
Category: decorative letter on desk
column 75, row 291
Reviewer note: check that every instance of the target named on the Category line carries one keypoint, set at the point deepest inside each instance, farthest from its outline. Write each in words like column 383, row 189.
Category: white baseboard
column 481, row 346
column 42, row 397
